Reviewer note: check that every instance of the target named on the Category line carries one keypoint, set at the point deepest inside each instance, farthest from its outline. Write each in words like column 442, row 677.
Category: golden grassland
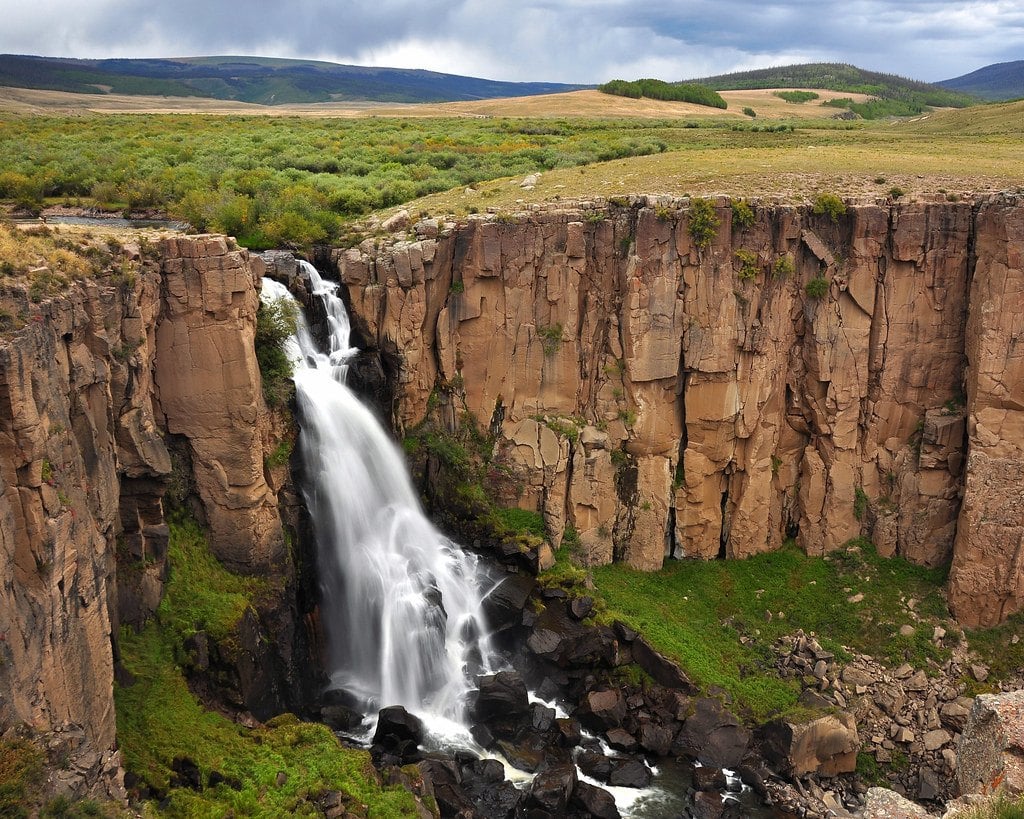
column 946, row 155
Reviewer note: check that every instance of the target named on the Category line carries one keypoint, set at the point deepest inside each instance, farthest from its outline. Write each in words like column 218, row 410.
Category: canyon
column 663, row 392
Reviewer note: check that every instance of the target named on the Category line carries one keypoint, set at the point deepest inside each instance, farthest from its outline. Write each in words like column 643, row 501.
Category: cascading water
column 401, row 603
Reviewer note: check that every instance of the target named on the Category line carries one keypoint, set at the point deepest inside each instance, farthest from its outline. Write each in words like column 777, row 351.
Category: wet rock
column 621, row 739
column 502, row 696
column 655, row 739
column 709, row 779
column 524, row 756
column 569, row 733
column 707, row 805
column 602, row 709
column 503, row 607
column 712, row 735
column 596, row 766
column 340, row 717
column 542, row 717
column 552, row 788
column 661, row 668
column 629, row 773
column 594, row 801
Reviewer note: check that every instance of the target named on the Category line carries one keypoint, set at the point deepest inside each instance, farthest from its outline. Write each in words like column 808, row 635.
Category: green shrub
column 896, row 192
column 748, row 264
column 860, row 503
column 796, row 96
column 750, row 112
column 828, row 204
column 817, row 287
column 742, row 213
column 783, row 267
column 661, row 90
column 275, row 322
column 550, row 338
column 704, row 221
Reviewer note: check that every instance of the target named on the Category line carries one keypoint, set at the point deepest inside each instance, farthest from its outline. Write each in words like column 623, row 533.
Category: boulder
column 501, row 696
column 503, row 607
column 990, row 756
column 594, row 801
column 602, row 709
column 552, row 788
column 629, row 773
column 712, row 735
column 398, row 734
column 825, row 746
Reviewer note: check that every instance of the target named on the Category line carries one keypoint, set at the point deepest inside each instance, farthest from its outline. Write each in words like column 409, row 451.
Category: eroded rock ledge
column 671, row 399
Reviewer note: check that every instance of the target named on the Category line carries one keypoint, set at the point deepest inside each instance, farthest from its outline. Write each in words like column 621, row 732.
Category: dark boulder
column 398, row 735
column 593, row 801
column 655, row 739
column 542, row 717
column 502, row 695
column 581, row 607
column 602, row 709
column 629, row 773
column 707, row 805
column 552, row 788
column 503, row 607
column 186, row 774
column 712, row 735
column 709, row 779
column 340, row 717
column 596, row 766
column 569, row 732
column 622, row 740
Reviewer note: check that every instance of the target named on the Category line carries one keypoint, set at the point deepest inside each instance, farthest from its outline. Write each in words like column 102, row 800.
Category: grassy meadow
column 299, row 180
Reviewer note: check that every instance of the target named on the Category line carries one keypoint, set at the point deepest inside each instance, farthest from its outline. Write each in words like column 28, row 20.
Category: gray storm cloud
column 569, row 41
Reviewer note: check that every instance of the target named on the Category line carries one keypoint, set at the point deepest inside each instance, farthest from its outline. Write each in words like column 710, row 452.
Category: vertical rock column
column 209, row 389
column 986, row 583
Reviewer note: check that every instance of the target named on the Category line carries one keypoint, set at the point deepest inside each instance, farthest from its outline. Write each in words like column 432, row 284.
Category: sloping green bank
column 284, row 768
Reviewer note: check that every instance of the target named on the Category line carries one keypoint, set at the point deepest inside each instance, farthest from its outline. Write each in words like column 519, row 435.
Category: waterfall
column 401, row 603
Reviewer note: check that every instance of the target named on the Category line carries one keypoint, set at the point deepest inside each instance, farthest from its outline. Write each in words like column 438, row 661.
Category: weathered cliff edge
column 666, row 398
column 112, row 392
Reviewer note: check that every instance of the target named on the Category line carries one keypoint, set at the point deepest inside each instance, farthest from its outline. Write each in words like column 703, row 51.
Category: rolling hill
column 895, row 96
column 265, row 81
column 1000, row 81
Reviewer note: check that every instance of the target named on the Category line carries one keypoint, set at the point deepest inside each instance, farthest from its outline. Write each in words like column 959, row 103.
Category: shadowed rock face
column 669, row 398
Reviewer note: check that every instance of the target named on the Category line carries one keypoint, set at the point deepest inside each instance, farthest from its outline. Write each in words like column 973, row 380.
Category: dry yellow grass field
column 590, row 104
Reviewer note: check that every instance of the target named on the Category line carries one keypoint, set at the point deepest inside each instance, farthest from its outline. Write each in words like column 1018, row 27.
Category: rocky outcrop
column 666, row 398
column 991, row 748
column 139, row 380
column 208, row 388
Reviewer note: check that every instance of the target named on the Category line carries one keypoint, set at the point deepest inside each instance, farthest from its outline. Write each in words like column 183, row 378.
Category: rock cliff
column 114, row 390
column 672, row 391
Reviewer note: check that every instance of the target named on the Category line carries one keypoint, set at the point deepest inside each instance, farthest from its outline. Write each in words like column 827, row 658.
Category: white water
column 401, row 603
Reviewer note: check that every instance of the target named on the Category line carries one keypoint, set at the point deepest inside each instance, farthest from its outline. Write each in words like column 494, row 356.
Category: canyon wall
column 111, row 393
column 668, row 398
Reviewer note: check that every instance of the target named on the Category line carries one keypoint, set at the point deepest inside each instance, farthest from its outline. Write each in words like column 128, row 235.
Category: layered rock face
column 90, row 389
column 667, row 398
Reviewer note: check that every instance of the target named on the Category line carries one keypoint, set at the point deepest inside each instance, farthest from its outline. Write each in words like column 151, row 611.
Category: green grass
column 158, row 717
column 202, row 595
column 21, row 766
column 695, row 612
column 522, row 520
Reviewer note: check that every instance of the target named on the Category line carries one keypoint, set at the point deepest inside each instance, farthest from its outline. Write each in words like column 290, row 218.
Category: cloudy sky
column 584, row 41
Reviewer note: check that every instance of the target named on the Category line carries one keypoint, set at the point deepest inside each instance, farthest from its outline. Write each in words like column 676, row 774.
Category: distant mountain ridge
column 997, row 82
column 261, row 80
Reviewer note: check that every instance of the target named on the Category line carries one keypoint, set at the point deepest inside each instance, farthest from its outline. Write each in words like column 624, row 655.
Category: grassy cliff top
column 952, row 154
